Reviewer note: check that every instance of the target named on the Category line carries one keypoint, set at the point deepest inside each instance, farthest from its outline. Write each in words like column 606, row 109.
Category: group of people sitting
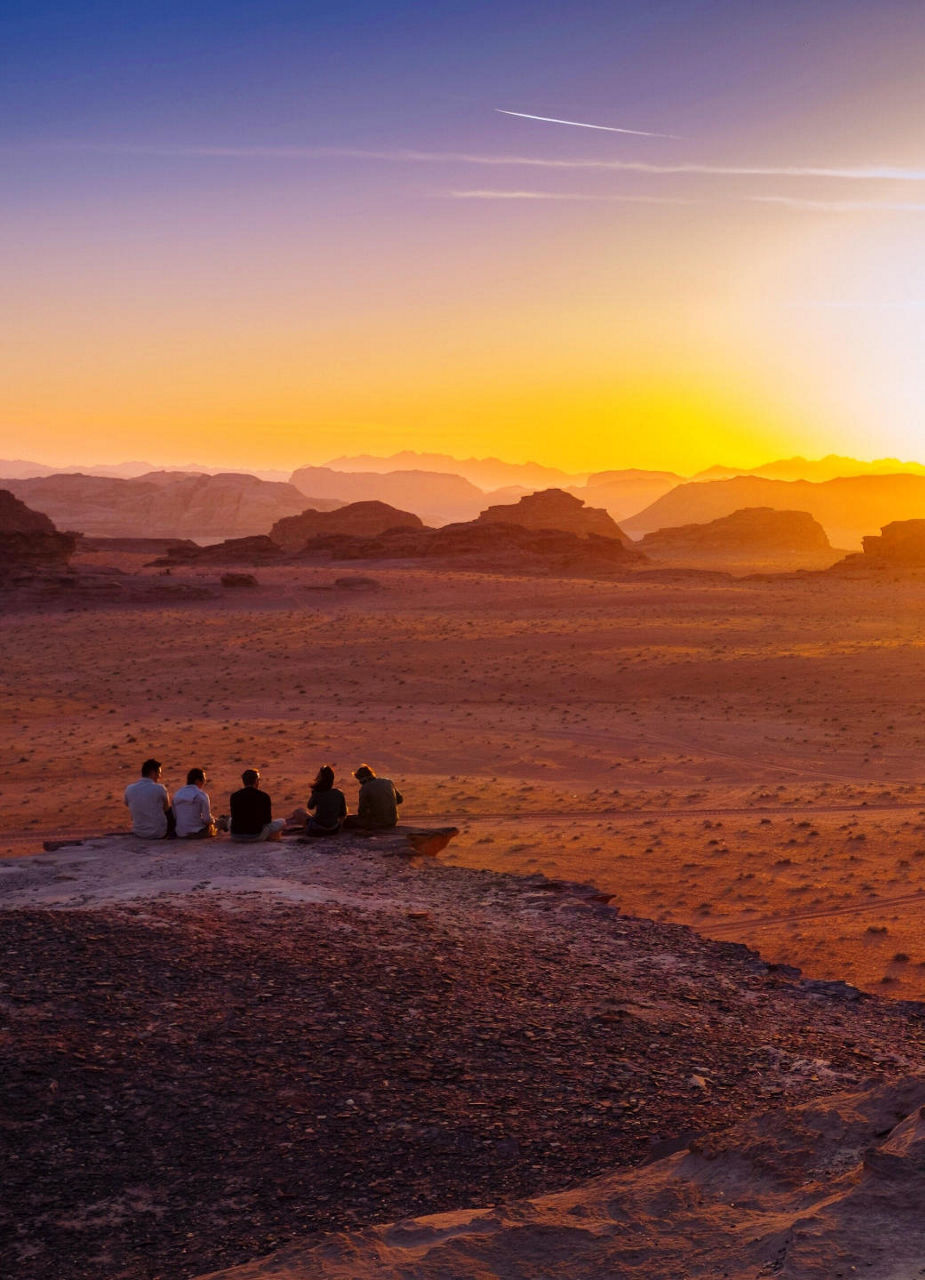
column 189, row 815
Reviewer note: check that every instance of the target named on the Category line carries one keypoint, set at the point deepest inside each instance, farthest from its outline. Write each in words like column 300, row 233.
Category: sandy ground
column 742, row 756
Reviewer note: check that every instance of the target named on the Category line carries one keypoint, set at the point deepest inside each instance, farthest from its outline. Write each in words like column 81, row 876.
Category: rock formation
column 754, row 535
column 555, row 509
column 899, row 545
column 362, row 519
column 491, row 543
column 264, row 1041
column 29, row 541
column 162, row 504
column 486, row 547
column 832, row 1188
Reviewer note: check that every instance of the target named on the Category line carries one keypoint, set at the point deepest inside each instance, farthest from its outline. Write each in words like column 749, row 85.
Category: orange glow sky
column 266, row 240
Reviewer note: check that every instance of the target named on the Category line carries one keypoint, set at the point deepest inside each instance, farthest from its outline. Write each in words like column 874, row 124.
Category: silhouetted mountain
column 436, row 497
column 364, row 519
column 162, row 504
column 757, row 537
column 29, row 541
column 487, row 473
column 848, row 508
column 554, row 509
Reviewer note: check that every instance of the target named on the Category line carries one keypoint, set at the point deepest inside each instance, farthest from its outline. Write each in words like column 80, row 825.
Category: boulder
column 433, row 841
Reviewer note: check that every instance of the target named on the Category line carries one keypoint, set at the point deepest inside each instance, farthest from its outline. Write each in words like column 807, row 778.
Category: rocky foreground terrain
column 212, row 1051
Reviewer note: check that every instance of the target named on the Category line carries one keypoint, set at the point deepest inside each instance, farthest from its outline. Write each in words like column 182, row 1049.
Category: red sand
column 743, row 756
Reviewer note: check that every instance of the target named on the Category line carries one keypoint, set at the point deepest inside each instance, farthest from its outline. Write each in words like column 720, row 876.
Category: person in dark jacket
column 327, row 806
column 251, row 812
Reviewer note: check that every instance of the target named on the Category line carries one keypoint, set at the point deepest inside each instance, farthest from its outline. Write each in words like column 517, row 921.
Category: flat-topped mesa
column 360, row 519
column 745, row 534
column 29, row 539
column 900, row 544
column 555, row 509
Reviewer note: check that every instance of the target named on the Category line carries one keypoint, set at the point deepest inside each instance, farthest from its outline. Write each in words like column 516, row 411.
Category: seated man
column 193, row 809
column 149, row 804
column 251, row 815
column 378, row 801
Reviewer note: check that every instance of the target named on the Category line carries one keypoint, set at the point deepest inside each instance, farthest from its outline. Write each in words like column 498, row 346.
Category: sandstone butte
column 747, row 533
column 555, row 509
column 364, row 519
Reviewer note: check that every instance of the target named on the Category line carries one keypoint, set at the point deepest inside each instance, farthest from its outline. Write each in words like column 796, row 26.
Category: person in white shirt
column 193, row 808
column 149, row 804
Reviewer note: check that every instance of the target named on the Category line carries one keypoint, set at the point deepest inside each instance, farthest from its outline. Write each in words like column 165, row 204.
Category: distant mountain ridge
column 848, row 508
column 486, row 473
column 832, row 467
column 442, row 490
column 437, row 497
column 162, row 504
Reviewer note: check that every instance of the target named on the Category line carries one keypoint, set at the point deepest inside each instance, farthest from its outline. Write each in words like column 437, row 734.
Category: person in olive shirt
column 378, row 801
column 251, row 813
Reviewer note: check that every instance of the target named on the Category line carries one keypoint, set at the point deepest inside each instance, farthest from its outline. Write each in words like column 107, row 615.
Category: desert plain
column 213, row 1052
column 743, row 755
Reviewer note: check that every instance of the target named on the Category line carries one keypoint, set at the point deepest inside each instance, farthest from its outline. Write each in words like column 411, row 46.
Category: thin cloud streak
column 840, row 206
column 573, row 196
column 580, row 124
column 859, row 173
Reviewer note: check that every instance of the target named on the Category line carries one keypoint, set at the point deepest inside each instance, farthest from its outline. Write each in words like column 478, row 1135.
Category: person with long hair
column 327, row 807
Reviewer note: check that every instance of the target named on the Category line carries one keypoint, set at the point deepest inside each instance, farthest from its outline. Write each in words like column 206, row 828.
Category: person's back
column 192, row 808
column 377, row 804
column 148, row 802
column 251, row 811
column 328, row 808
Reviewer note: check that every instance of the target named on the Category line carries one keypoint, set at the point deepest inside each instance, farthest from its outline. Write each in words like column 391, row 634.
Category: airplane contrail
column 580, row 124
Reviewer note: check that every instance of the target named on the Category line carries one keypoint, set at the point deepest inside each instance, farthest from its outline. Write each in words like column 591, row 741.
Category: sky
column 264, row 235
